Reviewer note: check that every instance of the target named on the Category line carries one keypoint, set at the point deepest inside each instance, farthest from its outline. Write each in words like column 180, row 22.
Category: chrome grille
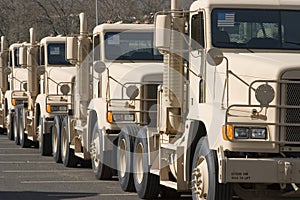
column 292, row 115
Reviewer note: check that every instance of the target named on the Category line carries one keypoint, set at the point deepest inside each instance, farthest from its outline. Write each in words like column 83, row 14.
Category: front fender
column 41, row 100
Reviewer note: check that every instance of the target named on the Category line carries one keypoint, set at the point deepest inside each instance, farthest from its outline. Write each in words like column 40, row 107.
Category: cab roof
column 123, row 27
column 260, row 4
column 57, row 39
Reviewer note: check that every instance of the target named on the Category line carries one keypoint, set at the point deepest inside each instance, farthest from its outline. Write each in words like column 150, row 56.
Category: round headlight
column 265, row 94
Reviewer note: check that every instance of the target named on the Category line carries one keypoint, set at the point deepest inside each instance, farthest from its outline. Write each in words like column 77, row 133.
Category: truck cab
column 49, row 77
column 16, row 91
column 238, row 134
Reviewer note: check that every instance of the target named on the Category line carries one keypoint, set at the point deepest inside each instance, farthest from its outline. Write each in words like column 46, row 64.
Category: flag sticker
column 226, row 19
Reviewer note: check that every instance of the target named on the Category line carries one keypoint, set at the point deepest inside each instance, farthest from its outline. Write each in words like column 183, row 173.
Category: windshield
column 255, row 29
column 56, row 54
column 130, row 46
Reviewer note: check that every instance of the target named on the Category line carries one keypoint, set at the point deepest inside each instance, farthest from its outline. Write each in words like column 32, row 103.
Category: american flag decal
column 226, row 19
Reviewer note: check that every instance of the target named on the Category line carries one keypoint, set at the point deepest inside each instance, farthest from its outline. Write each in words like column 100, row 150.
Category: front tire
column 44, row 140
column 56, row 139
column 10, row 130
column 125, row 157
column 20, row 126
column 146, row 184
column 16, row 129
column 100, row 159
column 205, row 175
column 67, row 154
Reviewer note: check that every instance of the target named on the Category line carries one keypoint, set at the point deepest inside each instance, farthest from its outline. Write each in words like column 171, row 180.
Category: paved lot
column 25, row 175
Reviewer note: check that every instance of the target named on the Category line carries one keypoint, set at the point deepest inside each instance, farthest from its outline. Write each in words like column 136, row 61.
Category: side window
column 96, row 47
column 10, row 58
column 197, row 31
column 42, row 55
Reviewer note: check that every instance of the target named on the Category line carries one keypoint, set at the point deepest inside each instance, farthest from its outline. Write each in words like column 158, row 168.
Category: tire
column 10, row 132
column 56, row 139
column 100, row 159
column 146, row 184
column 45, row 143
column 125, row 157
column 67, row 154
column 205, row 163
column 16, row 129
column 20, row 124
column 169, row 193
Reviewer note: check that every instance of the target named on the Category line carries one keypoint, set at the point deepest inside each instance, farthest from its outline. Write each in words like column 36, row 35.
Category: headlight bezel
column 262, row 133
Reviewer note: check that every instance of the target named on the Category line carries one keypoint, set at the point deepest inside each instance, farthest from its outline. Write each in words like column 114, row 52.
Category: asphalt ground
column 25, row 174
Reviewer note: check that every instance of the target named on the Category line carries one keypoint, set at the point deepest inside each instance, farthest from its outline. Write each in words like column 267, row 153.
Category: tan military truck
column 114, row 87
column 48, row 91
column 16, row 86
column 4, row 83
column 228, row 116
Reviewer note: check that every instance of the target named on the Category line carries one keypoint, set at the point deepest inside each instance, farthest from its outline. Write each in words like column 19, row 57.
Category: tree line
column 61, row 16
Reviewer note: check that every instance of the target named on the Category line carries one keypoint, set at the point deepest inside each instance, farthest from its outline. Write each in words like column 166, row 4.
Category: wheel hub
column 95, row 148
column 200, row 179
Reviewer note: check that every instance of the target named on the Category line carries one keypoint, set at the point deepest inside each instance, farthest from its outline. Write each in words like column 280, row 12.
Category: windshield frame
column 270, row 43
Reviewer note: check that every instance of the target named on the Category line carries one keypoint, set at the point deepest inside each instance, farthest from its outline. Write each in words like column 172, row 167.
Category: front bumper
column 259, row 170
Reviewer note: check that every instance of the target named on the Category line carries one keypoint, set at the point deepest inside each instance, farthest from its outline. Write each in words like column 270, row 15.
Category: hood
column 247, row 68
column 127, row 74
column 62, row 74
column 262, row 65
column 20, row 77
column 136, row 72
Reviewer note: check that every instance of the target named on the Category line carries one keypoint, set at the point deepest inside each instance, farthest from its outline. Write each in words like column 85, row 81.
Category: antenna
column 97, row 21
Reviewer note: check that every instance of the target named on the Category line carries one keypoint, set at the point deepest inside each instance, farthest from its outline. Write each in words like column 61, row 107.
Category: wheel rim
column 15, row 129
column 201, row 179
column 95, row 151
column 123, row 157
column 140, row 163
column 21, row 134
column 55, row 138
column 39, row 133
column 64, row 142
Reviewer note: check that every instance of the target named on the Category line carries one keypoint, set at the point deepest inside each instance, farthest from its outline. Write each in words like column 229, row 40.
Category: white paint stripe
column 48, row 182
column 25, row 162
column 19, row 154
column 42, row 171
column 84, row 195
column 125, row 194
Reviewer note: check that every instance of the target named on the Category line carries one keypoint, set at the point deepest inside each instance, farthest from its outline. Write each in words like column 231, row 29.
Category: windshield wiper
column 291, row 42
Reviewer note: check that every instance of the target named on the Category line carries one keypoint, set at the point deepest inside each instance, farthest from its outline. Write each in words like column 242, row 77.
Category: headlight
column 250, row 133
column 112, row 117
column 258, row 133
column 52, row 108
column 241, row 132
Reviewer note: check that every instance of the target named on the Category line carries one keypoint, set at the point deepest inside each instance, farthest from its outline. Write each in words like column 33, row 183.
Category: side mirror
column 41, row 70
column 23, row 56
column 162, row 32
column 71, row 50
column 7, row 71
column 99, row 66
column 214, row 57
column 65, row 89
column 132, row 92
